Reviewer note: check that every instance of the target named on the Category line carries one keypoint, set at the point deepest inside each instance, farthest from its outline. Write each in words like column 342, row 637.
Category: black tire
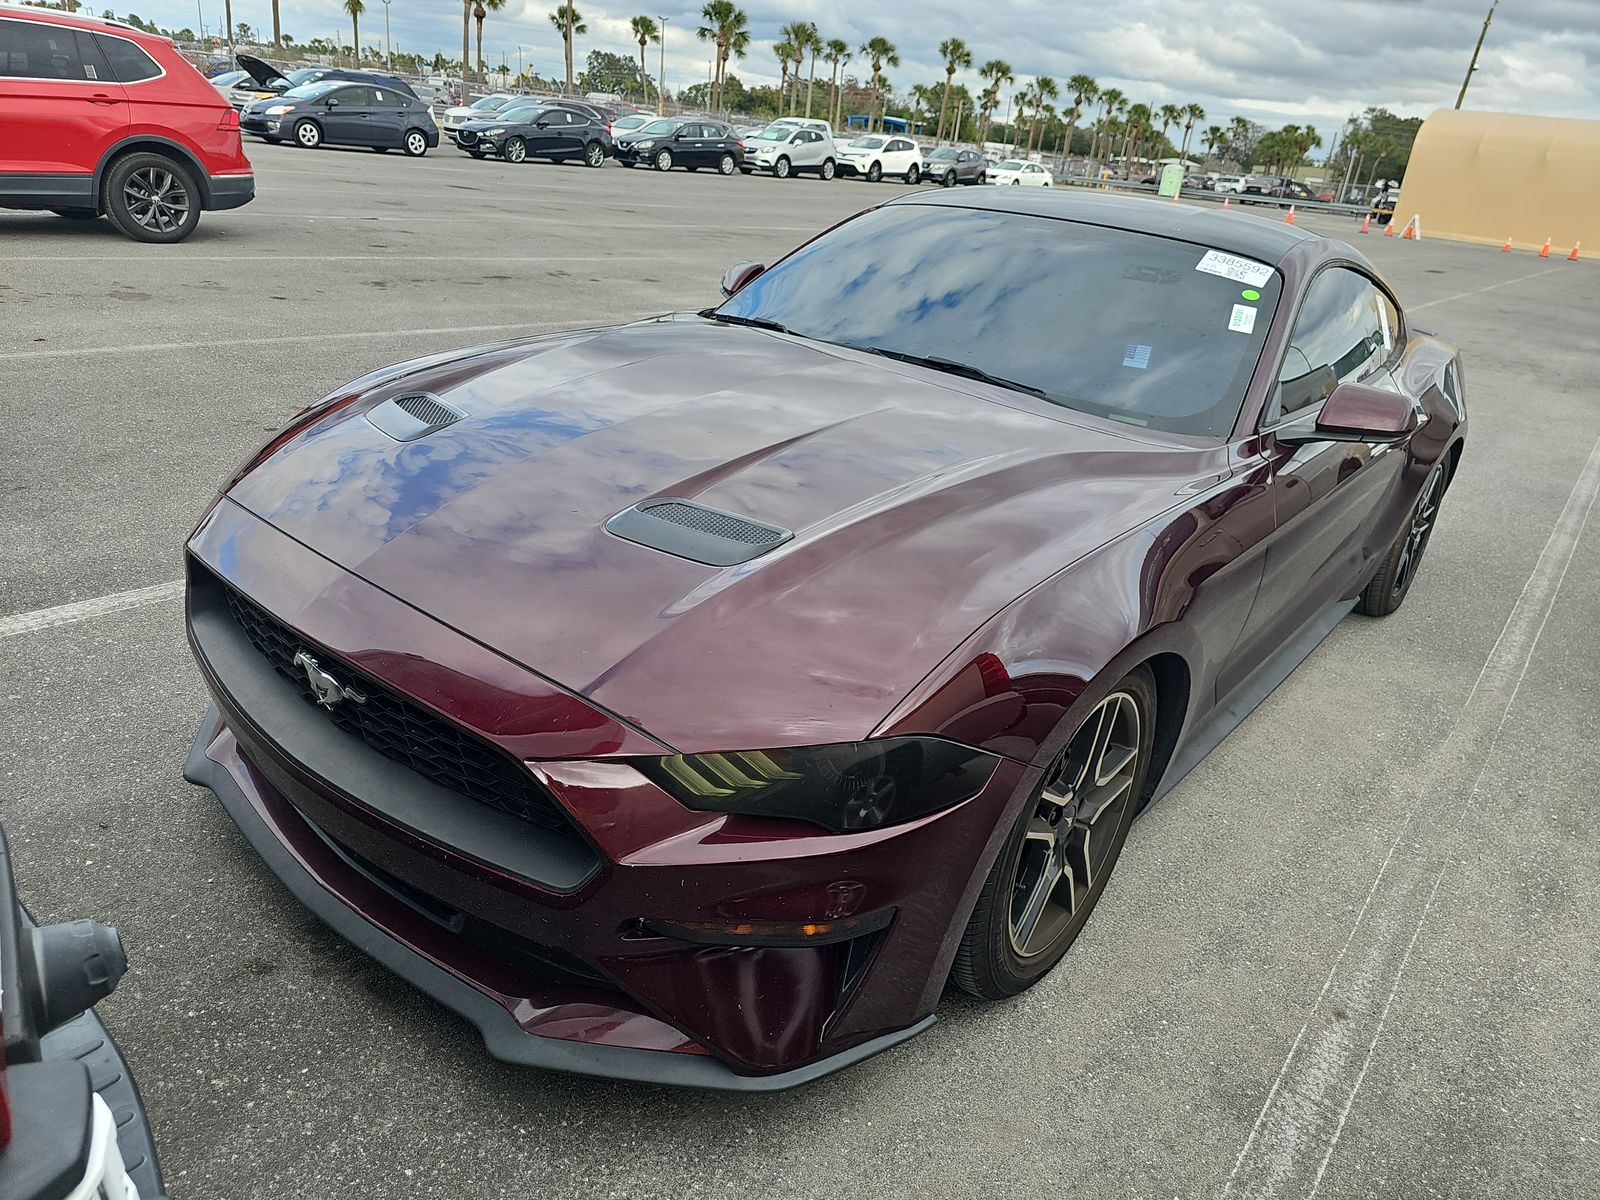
column 781, row 168
column 726, row 165
column 949, row 179
column 415, row 143
column 1389, row 586
column 475, row 153
column 379, row 149
column 829, row 168
column 981, row 179
column 271, row 141
column 594, row 155
column 913, row 174
column 77, row 214
column 1016, row 183
column 874, row 173
column 307, row 135
column 515, row 150
column 1006, row 949
column 663, row 159
column 151, row 198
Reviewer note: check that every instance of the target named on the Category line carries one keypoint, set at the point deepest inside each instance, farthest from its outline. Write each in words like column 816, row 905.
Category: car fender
column 159, row 143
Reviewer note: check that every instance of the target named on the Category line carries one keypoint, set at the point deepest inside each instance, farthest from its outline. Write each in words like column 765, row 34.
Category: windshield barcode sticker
column 1137, row 357
column 1231, row 266
column 1243, row 319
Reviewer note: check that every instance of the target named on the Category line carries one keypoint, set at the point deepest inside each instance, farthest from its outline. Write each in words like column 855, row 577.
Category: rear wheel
column 663, row 159
column 874, row 173
column 594, row 155
column 308, row 134
column 781, row 168
column 913, row 175
column 1065, row 844
column 515, row 150
column 151, row 198
column 416, row 143
column 726, row 165
column 1389, row 586
column 828, row 168
column 379, row 149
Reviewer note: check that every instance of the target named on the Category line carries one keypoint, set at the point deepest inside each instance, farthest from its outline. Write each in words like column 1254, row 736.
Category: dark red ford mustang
column 687, row 701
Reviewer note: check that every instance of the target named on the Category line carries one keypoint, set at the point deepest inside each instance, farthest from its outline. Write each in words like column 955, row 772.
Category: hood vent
column 406, row 418
column 696, row 531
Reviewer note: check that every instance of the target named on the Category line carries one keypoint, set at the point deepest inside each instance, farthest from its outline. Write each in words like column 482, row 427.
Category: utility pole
column 1476, row 50
column 661, row 74
column 388, row 46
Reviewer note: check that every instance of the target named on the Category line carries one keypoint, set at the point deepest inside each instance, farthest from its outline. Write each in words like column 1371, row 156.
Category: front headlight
column 646, row 145
column 844, row 788
column 277, row 110
column 496, row 132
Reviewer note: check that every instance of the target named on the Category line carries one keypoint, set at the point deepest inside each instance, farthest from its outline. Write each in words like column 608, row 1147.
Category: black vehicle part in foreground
column 57, row 1054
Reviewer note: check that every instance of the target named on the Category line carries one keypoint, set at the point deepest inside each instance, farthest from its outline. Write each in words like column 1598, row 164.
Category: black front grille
column 466, row 137
column 398, row 728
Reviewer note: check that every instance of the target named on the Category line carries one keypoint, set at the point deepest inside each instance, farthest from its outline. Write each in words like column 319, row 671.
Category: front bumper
column 540, row 940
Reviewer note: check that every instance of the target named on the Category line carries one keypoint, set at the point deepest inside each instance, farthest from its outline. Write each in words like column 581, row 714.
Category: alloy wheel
column 874, row 173
column 416, row 143
column 1070, row 840
column 663, row 160
column 516, row 150
column 726, row 165
column 913, row 175
column 1420, row 530
column 308, row 134
column 781, row 168
column 156, row 199
column 828, row 168
column 594, row 155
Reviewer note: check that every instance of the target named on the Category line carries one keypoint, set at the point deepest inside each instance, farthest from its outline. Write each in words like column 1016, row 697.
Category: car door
column 346, row 114
column 1327, row 496
column 807, row 148
column 386, row 117
column 60, row 110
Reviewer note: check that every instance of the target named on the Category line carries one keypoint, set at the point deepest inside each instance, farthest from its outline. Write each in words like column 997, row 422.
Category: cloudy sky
column 1274, row 61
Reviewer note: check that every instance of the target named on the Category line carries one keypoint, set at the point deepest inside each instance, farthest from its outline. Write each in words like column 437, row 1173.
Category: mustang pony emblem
column 329, row 691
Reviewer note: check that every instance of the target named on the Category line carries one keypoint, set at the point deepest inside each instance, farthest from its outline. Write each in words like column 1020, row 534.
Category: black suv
column 690, row 142
column 949, row 165
column 544, row 130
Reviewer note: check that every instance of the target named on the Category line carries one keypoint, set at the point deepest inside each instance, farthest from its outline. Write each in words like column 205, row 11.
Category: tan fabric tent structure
column 1481, row 176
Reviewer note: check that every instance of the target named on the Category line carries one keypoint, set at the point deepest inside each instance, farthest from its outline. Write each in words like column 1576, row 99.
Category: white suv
column 879, row 154
column 1231, row 183
column 785, row 150
column 486, row 106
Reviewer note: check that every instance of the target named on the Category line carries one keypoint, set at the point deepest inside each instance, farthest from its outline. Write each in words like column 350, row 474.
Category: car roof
column 83, row 20
column 1235, row 233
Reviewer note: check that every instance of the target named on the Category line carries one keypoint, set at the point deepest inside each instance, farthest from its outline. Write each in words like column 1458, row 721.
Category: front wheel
column 151, row 198
column 594, row 155
column 726, row 165
column 663, row 160
column 874, row 173
column 308, row 134
column 515, row 150
column 1062, row 849
column 1389, row 586
column 949, row 179
column 828, row 168
column 781, row 168
column 475, row 153
column 416, row 143
column 913, row 175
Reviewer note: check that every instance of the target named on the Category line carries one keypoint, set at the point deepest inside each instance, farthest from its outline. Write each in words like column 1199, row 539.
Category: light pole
column 388, row 46
column 1476, row 50
column 661, row 74
column 520, row 49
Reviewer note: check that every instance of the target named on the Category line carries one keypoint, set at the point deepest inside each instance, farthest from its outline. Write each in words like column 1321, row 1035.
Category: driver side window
column 1338, row 338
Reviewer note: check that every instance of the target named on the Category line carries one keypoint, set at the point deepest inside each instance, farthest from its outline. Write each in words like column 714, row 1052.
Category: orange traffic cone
column 1545, row 252
column 1289, row 218
column 1506, row 249
column 1573, row 257
column 1225, row 202
column 1388, row 229
column 1409, row 232
column 1366, row 224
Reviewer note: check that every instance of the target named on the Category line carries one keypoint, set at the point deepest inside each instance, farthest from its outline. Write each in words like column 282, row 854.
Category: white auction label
column 1231, row 266
column 1243, row 319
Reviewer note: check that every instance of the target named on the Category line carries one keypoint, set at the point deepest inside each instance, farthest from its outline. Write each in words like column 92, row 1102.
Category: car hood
column 920, row 505
column 263, row 72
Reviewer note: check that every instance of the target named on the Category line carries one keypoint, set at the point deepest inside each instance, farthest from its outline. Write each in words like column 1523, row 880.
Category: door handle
column 102, row 98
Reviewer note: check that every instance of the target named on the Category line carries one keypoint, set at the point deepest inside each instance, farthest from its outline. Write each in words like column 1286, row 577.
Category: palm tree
column 727, row 27
column 466, row 47
column 1138, row 123
column 882, row 53
column 1044, row 90
column 1170, row 114
column 1191, row 114
column 784, row 53
column 793, row 37
column 956, row 58
column 277, row 27
column 1308, row 140
column 645, row 31
column 1083, row 88
column 998, row 73
column 813, row 47
column 355, row 8
column 1112, row 102
column 480, row 10
column 569, row 24
column 836, row 53
column 1212, row 140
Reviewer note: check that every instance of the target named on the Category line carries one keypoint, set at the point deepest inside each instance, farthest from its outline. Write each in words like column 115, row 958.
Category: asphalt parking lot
column 1354, row 954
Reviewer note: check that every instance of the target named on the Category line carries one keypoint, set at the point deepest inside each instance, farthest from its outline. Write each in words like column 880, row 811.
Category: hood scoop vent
column 407, row 418
column 696, row 531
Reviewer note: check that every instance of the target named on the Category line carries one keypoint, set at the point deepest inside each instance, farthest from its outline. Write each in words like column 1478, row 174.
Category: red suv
column 101, row 118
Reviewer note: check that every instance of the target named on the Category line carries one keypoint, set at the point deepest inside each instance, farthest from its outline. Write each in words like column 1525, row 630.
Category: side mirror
column 741, row 273
column 331, row 102
column 1355, row 412
column 541, row 124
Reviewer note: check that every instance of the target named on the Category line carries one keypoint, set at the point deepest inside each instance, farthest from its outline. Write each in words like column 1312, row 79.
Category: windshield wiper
column 951, row 367
column 712, row 314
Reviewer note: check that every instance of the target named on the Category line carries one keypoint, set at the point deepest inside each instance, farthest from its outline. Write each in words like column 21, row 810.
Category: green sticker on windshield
column 1250, row 294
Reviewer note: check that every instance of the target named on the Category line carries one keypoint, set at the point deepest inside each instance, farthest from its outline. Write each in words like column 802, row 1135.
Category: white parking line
column 1486, row 288
column 166, row 347
column 87, row 610
column 1293, row 1139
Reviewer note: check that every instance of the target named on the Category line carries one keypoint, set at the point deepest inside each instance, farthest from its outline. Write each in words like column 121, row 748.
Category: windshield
column 519, row 112
column 1010, row 164
column 944, row 152
column 305, row 75
column 781, row 134
column 629, row 122
column 310, row 91
column 492, row 103
column 660, row 127
column 229, row 78
column 868, row 143
column 1125, row 325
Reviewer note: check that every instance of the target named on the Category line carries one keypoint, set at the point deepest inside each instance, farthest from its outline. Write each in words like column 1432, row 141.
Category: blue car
column 339, row 113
